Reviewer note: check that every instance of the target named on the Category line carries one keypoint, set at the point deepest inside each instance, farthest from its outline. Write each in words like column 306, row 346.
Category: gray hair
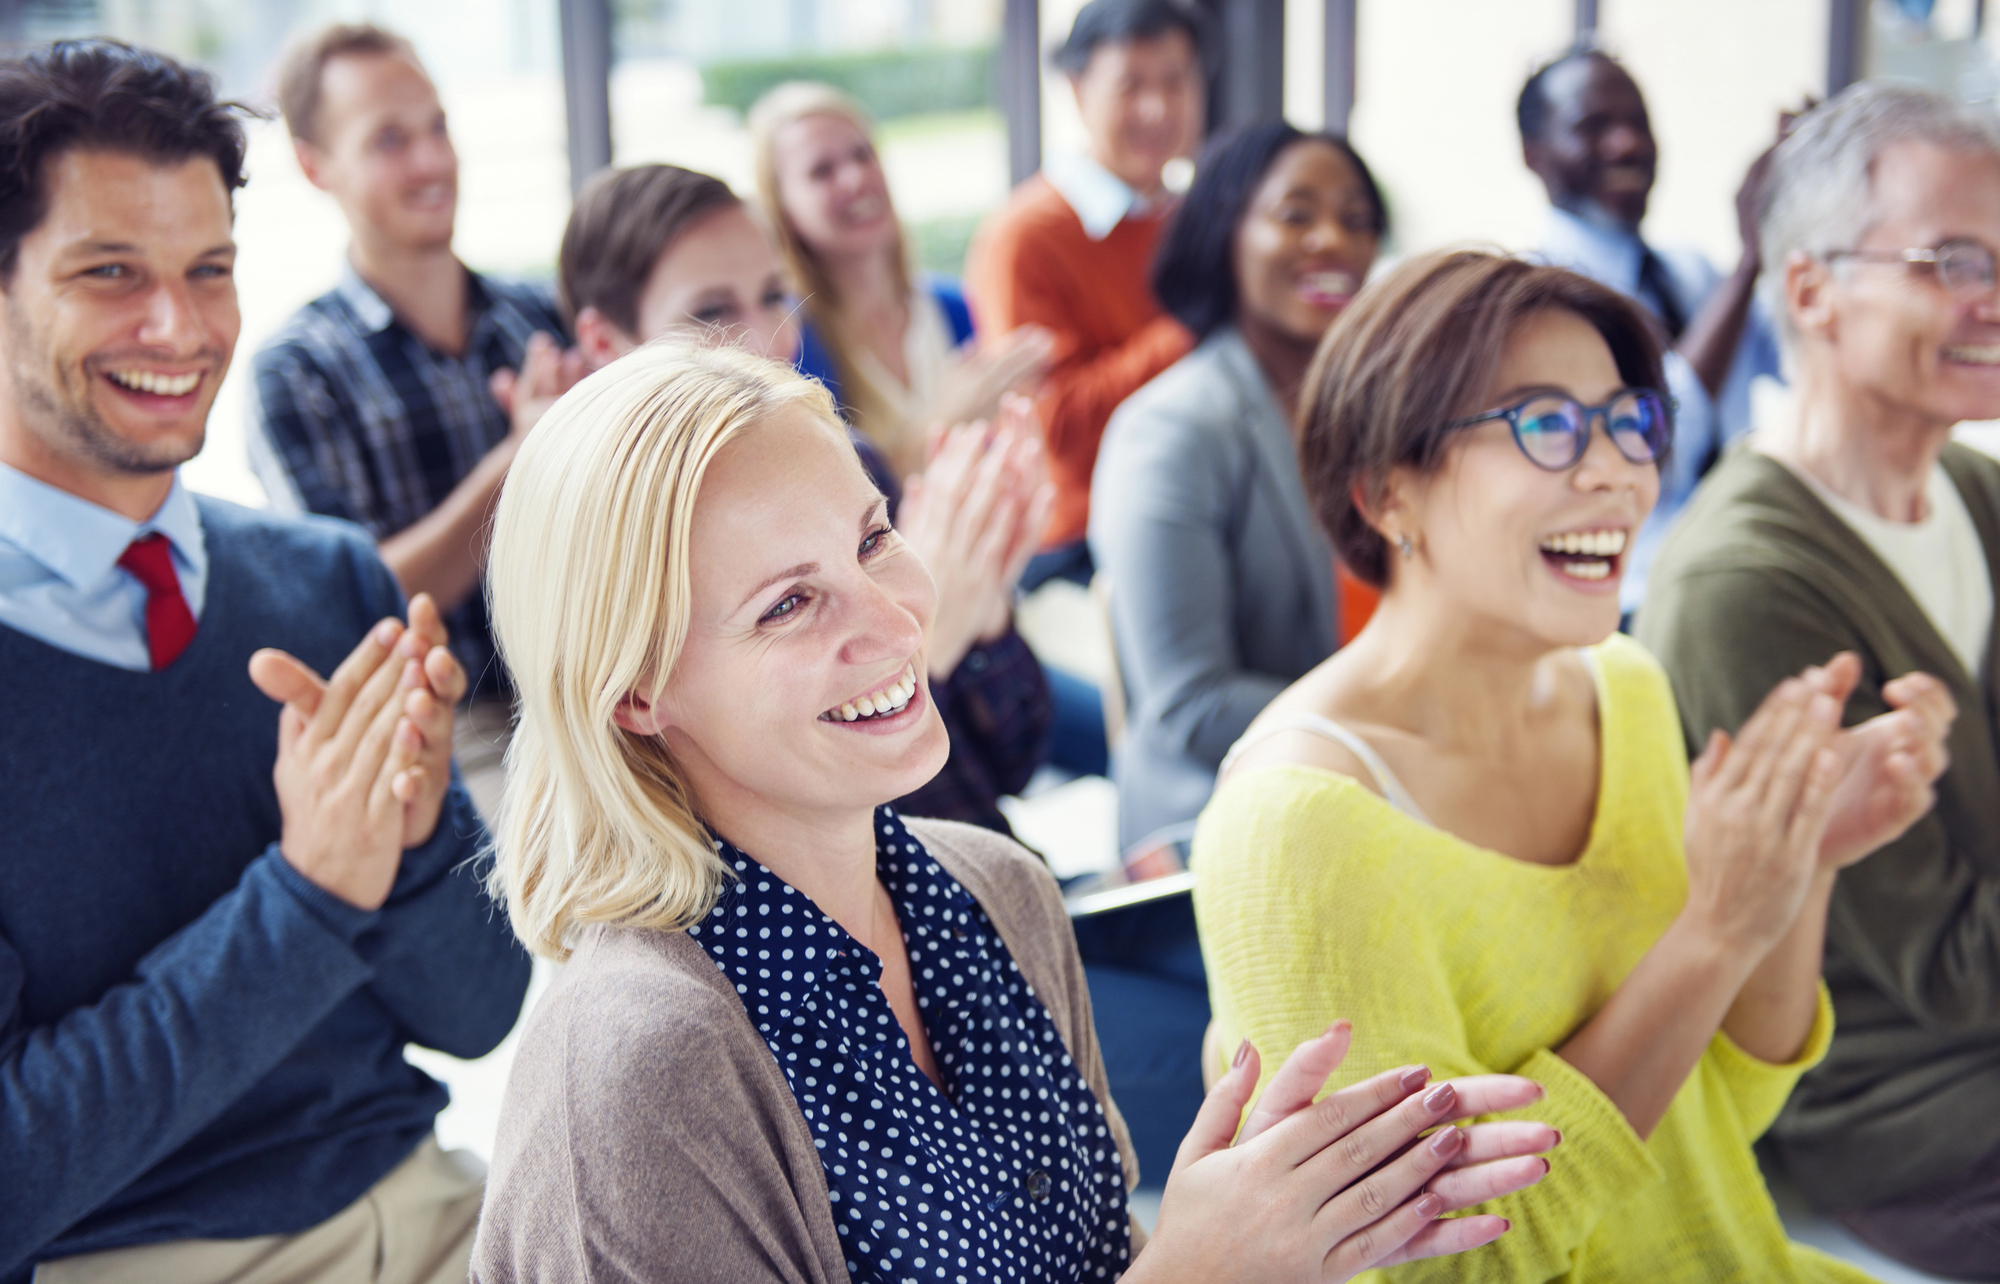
column 1820, row 194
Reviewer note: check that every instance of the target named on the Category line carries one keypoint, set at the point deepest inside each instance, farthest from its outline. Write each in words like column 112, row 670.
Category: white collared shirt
column 60, row 580
column 1099, row 197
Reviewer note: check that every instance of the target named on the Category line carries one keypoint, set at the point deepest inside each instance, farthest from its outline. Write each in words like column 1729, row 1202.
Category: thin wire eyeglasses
column 1553, row 431
column 1964, row 267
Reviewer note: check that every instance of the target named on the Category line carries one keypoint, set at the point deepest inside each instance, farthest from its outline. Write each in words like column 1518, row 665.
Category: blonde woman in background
column 798, row 1037
column 896, row 348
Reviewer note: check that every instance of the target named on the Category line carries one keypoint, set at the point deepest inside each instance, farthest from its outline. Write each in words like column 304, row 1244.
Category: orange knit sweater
column 1033, row 264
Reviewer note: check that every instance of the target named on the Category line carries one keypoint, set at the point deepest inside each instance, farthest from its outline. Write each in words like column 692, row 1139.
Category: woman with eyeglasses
column 1474, row 829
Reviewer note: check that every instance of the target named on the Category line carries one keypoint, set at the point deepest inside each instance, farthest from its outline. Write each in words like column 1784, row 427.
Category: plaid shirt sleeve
column 997, row 710
column 300, row 417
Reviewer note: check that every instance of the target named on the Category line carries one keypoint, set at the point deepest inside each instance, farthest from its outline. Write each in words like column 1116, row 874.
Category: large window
column 688, row 70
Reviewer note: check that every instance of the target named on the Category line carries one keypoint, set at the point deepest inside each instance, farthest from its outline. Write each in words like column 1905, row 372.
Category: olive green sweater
column 1759, row 580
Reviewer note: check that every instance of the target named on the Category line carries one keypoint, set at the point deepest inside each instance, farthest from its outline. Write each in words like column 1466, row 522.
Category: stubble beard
column 60, row 412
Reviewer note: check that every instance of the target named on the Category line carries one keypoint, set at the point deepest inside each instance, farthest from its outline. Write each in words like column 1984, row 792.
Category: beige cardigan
column 647, row 1133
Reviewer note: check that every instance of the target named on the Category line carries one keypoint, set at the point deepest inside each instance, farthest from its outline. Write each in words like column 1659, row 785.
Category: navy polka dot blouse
column 1010, row 1172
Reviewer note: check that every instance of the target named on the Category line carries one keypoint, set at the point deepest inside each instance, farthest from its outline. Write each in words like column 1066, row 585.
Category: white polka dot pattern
column 1010, row 1173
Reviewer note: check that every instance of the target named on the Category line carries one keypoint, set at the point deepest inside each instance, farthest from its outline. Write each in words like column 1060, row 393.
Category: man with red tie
column 209, row 966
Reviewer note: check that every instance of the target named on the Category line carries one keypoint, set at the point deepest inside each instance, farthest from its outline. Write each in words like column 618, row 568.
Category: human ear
column 640, row 716
column 600, row 341
column 1807, row 294
column 1395, row 509
column 311, row 161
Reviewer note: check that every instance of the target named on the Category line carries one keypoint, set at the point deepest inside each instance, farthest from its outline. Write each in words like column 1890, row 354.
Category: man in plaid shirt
column 396, row 400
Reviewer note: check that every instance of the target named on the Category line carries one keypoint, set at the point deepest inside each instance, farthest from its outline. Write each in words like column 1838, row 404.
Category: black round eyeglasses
column 1553, row 431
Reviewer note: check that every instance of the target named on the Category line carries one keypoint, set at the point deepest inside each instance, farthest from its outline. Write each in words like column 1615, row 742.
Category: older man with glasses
column 1855, row 524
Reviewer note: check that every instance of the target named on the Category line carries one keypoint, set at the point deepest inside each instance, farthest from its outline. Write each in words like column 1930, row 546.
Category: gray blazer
column 1222, row 589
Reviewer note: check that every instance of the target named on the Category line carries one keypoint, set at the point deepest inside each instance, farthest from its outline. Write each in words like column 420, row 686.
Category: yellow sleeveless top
column 1316, row 900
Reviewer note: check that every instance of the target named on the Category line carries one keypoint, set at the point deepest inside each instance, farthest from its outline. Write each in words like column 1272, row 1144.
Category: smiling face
column 383, row 151
column 121, row 317
column 1142, row 103
column 832, row 188
column 1534, row 552
column 805, row 604
column 1305, row 244
column 1596, row 152
column 721, row 274
column 1894, row 337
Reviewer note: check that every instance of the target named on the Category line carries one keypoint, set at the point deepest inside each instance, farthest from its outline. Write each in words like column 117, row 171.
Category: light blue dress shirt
column 1611, row 256
column 59, row 575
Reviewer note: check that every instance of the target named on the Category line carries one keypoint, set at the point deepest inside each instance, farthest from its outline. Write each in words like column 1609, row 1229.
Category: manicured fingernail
column 1414, row 1079
column 385, row 633
column 1506, row 1225
column 1559, row 1135
column 1446, row 1141
column 1242, row 1054
column 1430, row 1205
column 1440, row 1098
column 1545, row 1167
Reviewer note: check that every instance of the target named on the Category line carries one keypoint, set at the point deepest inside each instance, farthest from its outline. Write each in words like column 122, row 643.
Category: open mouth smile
column 1330, row 289
column 1592, row 556
column 153, row 383
column 881, row 704
column 1973, row 354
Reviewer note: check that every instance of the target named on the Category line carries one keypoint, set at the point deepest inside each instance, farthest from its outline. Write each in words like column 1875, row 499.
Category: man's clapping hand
column 364, row 758
column 1889, row 764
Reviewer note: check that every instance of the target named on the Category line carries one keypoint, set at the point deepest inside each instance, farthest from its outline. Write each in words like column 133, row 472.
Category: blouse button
column 1038, row 1186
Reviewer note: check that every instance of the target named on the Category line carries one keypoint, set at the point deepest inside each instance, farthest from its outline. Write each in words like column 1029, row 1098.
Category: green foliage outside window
column 889, row 83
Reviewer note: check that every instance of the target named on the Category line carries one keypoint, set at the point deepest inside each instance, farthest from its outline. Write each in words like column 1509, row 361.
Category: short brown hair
column 106, row 96
column 1417, row 350
column 305, row 66
column 622, row 221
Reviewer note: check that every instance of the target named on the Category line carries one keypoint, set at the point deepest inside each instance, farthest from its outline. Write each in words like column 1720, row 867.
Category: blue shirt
column 1008, row 1172
column 1703, row 425
column 60, row 580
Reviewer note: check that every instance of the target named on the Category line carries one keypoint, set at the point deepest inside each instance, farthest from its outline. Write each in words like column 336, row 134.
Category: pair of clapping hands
column 1361, row 1179
column 1793, row 795
column 975, row 515
column 364, row 757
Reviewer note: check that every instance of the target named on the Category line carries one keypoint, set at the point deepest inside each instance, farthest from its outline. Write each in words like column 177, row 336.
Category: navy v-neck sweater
column 195, row 1041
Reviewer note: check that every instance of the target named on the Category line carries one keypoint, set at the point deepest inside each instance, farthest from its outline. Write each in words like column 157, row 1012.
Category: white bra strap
column 1300, row 720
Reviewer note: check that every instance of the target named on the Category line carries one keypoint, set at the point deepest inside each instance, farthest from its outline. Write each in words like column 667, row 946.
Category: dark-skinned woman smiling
column 1222, row 584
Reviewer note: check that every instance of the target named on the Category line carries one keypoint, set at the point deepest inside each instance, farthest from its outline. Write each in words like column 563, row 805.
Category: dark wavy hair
column 1194, row 270
column 108, row 96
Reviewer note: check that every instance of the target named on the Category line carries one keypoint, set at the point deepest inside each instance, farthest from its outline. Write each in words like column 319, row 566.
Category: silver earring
column 1405, row 546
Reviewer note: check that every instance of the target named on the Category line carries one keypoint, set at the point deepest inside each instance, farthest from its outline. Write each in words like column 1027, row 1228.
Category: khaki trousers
column 479, row 739
column 414, row 1226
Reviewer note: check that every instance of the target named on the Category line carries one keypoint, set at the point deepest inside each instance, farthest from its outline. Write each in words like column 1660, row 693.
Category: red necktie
column 169, row 623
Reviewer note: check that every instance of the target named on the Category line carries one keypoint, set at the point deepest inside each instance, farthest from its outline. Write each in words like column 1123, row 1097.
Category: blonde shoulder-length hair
column 783, row 104
column 588, row 582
